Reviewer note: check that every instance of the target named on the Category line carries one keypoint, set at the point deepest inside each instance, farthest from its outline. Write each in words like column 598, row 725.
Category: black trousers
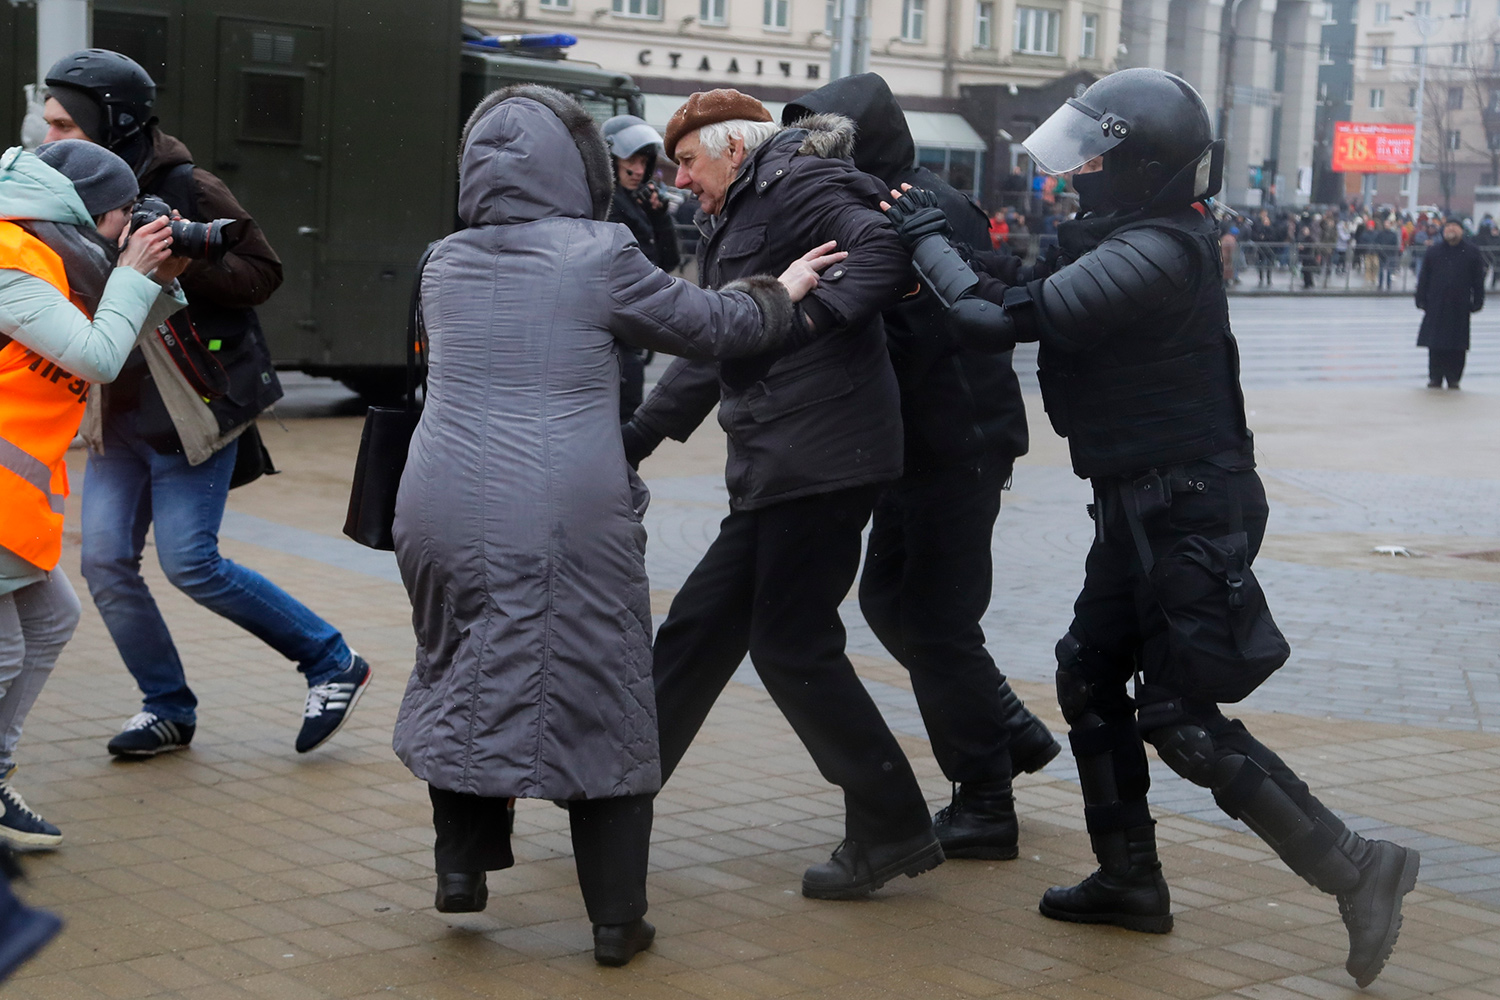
column 926, row 583
column 771, row 584
column 1443, row 363
column 611, row 842
column 1119, row 625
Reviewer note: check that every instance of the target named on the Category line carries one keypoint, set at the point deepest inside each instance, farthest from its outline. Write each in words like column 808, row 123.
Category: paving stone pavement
column 238, row 869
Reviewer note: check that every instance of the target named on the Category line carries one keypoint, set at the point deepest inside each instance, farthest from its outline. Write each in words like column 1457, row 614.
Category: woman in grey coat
column 518, row 524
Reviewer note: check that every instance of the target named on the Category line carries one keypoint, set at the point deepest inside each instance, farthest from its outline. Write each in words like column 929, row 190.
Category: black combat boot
column 1372, row 909
column 461, row 892
column 617, row 944
column 1032, row 745
column 1128, row 889
column 980, row 822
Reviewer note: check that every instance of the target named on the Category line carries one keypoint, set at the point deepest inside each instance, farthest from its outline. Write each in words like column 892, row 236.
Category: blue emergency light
column 558, row 41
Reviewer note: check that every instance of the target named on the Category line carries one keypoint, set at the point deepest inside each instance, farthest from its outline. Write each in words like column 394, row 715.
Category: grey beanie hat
column 103, row 180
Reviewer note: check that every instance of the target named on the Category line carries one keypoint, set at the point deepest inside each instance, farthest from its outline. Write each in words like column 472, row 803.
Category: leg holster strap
column 1116, row 816
column 1240, row 790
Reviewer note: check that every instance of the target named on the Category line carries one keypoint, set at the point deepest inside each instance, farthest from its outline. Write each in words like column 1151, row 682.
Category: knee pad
column 1072, row 682
column 1189, row 750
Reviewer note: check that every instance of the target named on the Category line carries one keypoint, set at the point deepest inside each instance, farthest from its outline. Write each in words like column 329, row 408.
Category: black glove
column 639, row 440
column 916, row 214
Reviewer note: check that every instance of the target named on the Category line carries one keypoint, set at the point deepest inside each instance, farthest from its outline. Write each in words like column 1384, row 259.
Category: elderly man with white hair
column 813, row 435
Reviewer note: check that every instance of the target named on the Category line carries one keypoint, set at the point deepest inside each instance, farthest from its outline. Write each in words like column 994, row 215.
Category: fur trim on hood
column 585, row 132
column 829, row 136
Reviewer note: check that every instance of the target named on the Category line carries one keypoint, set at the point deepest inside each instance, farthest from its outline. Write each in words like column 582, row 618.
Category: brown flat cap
column 706, row 108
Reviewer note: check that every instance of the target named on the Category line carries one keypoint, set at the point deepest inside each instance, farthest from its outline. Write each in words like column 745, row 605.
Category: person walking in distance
column 162, row 458
column 928, row 571
column 814, row 436
column 1450, row 287
column 1140, row 372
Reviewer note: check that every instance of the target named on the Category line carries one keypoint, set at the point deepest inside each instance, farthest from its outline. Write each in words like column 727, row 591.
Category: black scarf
column 87, row 258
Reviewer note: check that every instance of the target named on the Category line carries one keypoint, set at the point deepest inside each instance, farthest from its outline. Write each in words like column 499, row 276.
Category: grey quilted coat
column 518, row 523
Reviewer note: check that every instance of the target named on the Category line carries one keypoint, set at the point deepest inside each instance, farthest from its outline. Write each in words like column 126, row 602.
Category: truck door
column 268, row 148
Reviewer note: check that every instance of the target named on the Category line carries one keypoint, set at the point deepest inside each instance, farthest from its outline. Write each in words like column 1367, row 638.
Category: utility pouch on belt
column 1221, row 642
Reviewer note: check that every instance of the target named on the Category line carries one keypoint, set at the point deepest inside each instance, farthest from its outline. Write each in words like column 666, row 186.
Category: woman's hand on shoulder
column 802, row 276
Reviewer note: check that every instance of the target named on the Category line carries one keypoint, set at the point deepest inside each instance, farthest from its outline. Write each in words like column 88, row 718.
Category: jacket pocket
column 742, row 243
column 785, row 396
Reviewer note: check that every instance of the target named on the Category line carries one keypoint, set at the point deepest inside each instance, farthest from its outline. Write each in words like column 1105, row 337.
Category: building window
column 1327, row 10
column 1418, row 55
column 1325, row 55
column 913, row 20
column 1036, row 31
column 555, row 4
column 638, row 8
column 1090, row 36
column 1461, row 8
column 1382, row 13
column 775, row 14
column 1323, row 91
column 1423, row 8
column 1494, row 105
column 984, row 24
column 1455, row 98
column 1377, row 99
column 1411, row 97
column 1377, row 57
column 1460, row 53
column 1454, row 139
column 711, row 11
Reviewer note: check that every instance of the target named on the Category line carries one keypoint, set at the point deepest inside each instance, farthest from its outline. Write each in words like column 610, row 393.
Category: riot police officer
column 1140, row 372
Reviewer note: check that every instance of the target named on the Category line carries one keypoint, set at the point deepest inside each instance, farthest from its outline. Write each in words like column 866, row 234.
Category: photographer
column 160, row 454
column 639, row 205
column 69, row 313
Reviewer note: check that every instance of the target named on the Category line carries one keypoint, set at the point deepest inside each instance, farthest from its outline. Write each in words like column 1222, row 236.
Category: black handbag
column 252, row 460
column 387, row 437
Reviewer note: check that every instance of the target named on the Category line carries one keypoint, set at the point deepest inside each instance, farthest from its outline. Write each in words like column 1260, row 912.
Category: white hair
column 714, row 137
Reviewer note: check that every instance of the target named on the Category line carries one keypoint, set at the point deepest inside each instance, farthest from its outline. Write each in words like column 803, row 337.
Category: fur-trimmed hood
column 829, row 135
column 528, row 153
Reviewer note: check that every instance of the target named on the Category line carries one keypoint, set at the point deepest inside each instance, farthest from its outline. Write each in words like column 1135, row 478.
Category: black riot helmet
column 1151, row 128
column 124, row 92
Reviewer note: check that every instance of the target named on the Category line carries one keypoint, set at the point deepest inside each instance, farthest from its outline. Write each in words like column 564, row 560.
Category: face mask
column 1093, row 193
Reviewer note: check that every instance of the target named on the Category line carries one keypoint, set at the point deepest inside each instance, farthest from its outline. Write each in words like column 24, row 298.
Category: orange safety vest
column 41, row 408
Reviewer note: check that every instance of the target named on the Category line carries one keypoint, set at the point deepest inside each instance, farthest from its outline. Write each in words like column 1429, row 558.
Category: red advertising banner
column 1368, row 148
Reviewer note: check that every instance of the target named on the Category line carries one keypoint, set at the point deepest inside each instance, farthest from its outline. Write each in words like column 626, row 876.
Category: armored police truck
column 335, row 123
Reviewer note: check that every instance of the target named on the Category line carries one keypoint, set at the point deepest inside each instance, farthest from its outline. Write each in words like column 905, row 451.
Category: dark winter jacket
column 827, row 416
column 957, row 405
column 1450, row 286
column 518, row 524
column 654, row 232
column 222, row 299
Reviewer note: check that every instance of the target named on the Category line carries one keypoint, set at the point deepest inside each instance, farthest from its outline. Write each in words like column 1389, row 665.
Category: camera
column 193, row 240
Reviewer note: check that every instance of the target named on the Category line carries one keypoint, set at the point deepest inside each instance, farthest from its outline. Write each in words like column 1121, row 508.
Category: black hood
column 882, row 144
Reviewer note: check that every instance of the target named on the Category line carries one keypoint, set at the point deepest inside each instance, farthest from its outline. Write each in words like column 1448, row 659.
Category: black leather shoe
column 461, row 892
column 1372, row 909
column 1132, row 895
column 856, row 869
column 617, row 944
column 980, row 822
column 1032, row 745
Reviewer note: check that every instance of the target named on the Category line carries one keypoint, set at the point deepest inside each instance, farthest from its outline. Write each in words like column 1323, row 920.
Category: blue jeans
column 125, row 490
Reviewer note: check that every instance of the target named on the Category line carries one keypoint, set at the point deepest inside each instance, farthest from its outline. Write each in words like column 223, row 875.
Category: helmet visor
column 632, row 139
column 1072, row 136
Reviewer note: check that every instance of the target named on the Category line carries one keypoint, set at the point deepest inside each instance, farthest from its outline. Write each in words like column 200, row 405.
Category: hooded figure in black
column 1140, row 372
column 928, row 572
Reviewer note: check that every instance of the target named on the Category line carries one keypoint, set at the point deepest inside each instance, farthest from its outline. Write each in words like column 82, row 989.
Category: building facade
column 1256, row 64
column 1459, row 93
column 957, row 66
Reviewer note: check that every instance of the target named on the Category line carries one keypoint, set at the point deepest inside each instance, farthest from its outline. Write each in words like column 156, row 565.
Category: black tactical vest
column 1161, row 394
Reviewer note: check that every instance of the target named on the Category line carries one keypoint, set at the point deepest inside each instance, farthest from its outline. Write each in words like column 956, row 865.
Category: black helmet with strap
column 1153, row 132
column 124, row 91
